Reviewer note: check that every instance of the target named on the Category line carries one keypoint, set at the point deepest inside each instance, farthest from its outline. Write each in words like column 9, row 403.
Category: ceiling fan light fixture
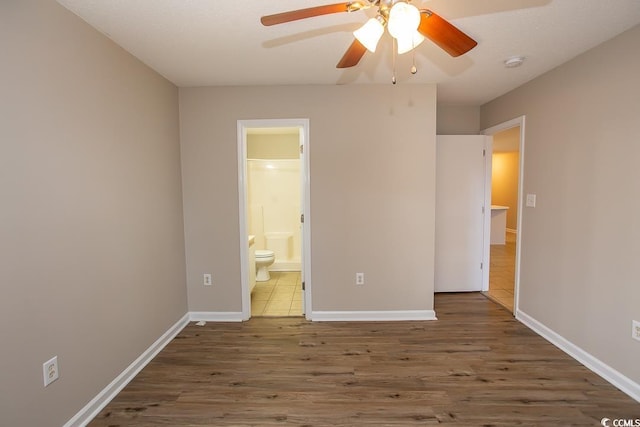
column 404, row 19
column 406, row 44
column 369, row 34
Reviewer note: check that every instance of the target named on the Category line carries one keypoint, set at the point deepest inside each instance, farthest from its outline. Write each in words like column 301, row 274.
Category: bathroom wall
column 264, row 144
column 91, row 237
column 504, row 184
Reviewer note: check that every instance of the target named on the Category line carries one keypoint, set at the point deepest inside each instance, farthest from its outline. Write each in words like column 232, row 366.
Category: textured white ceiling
column 215, row 42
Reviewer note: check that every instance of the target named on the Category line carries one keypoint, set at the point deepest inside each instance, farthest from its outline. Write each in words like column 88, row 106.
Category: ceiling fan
column 407, row 24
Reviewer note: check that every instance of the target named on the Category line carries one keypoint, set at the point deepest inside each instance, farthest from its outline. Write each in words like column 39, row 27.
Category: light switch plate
column 531, row 200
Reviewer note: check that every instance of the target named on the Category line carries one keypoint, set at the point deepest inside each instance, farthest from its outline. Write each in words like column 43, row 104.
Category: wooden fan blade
column 294, row 15
column 444, row 34
column 352, row 56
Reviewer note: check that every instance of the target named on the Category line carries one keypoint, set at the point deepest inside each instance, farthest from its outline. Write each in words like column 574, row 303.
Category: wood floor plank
column 475, row 366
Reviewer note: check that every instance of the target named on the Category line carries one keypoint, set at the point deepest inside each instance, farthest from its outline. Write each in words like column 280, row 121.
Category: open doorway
column 274, row 220
column 506, row 195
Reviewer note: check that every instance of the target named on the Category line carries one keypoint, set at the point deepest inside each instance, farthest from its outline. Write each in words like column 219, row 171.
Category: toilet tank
column 281, row 243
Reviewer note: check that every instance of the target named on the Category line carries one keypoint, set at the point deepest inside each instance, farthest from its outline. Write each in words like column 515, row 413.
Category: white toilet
column 264, row 258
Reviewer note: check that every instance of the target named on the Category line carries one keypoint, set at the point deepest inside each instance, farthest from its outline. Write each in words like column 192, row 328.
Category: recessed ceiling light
column 514, row 61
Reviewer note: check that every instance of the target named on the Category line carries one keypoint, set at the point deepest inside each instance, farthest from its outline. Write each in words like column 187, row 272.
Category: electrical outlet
column 50, row 370
column 635, row 330
column 207, row 280
column 359, row 278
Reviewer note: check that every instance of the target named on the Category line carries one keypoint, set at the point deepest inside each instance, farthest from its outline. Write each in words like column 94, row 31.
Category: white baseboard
column 366, row 316
column 625, row 384
column 91, row 409
column 216, row 316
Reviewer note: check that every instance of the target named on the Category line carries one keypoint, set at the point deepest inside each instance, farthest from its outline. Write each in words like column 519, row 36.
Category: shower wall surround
column 274, row 209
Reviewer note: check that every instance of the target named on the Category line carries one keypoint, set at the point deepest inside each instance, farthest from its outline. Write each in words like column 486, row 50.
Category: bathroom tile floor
column 502, row 272
column 280, row 296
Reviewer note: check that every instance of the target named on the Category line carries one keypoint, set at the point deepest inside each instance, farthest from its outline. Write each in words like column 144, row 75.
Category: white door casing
column 303, row 126
column 303, row 183
column 520, row 123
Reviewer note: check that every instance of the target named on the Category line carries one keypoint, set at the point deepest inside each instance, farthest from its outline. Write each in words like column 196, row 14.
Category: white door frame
column 243, row 126
column 518, row 121
column 486, row 243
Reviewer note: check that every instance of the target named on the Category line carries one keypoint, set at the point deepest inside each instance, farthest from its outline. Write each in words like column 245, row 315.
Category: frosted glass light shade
column 404, row 19
column 405, row 44
column 369, row 34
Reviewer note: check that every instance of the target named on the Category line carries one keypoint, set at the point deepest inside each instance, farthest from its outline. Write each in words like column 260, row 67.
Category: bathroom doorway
column 507, row 160
column 274, row 216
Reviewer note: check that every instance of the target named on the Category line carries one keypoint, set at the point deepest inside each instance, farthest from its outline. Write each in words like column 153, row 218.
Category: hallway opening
column 502, row 272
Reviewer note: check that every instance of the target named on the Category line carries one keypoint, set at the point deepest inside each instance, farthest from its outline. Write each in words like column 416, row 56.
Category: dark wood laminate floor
column 475, row 366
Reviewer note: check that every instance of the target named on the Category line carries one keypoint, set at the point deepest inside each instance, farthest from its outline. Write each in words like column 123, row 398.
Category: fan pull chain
column 414, row 69
column 394, row 54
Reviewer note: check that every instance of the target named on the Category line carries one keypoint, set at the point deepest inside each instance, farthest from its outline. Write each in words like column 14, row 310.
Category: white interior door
column 460, row 206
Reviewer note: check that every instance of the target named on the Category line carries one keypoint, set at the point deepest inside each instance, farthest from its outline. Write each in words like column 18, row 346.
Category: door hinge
column 483, row 209
column 484, row 152
column 303, row 286
column 481, row 266
column 302, row 149
column 302, row 218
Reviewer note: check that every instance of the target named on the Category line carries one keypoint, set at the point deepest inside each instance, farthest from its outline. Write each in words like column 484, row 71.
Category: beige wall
column 581, row 244
column 458, row 120
column 372, row 191
column 91, row 241
column 504, row 184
